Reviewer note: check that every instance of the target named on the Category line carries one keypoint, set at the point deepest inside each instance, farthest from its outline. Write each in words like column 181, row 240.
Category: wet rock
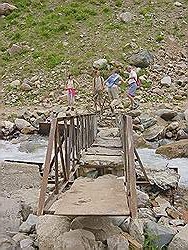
column 101, row 227
column 117, row 242
column 142, row 199
column 174, row 150
column 49, row 228
column 126, row 17
column 28, row 226
column 142, row 59
column 166, row 81
column 162, row 235
column 166, row 114
column 6, row 9
column 15, row 83
column 100, row 64
column 77, row 239
column 6, row 243
column 180, row 240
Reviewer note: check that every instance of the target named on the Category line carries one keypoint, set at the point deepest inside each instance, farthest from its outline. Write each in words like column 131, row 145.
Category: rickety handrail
column 76, row 136
column 129, row 163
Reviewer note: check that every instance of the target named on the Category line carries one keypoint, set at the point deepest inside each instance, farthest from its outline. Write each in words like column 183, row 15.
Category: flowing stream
column 34, row 149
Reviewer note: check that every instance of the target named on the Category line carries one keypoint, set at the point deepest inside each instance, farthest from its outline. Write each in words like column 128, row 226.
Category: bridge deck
column 105, row 195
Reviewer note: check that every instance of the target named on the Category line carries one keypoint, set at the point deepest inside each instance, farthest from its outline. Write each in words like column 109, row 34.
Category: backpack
column 113, row 80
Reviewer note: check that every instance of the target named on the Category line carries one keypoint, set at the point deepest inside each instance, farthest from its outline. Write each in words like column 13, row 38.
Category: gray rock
column 186, row 114
column 177, row 222
column 19, row 236
column 142, row 199
column 153, row 132
column 49, row 228
column 126, row 17
column 121, row 221
column 77, row 239
column 15, row 49
column 100, row 64
column 148, row 121
column 15, row 83
column 180, row 240
column 142, row 59
column 117, row 242
column 134, row 113
column 27, row 244
column 178, row 4
column 25, row 87
column 166, row 81
column 6, row 243
column 21, row 123
column 28, row 226
column 136, row 230
column 166, row 114
column 6, row 8
column 161, row 235
column 101, row 227
column 146, row 214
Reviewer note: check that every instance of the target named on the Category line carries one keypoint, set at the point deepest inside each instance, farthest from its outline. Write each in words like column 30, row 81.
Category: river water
column 34, row 150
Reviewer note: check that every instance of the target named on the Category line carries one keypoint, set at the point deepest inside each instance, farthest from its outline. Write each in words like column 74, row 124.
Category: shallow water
column 34, row 150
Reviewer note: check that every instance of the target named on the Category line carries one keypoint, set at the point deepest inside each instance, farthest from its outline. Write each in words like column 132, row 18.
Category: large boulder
column 6, row 243
column 166, row 114
column 180, row 240
column 142, row 59
column 21, row 123
column 161, row 235
column 77, row 239
column 174, row 150
column 100, row 63
column 49, row 228
column 101, row 227
column 6, row 8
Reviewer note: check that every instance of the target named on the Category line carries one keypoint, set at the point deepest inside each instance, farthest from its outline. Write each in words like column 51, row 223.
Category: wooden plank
column 85, row 198
column 107, row 142
column 104, row 151
column 135, row 245
column 46, row 167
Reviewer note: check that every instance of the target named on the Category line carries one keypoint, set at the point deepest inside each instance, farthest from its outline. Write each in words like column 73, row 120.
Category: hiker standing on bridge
column 133, row 85
column 113, row 82
column 98, row 87
column 71, row 91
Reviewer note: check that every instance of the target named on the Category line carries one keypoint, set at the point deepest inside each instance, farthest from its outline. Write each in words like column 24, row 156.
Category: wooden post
column 131, row 173
column 56, row 160
column 46, row 168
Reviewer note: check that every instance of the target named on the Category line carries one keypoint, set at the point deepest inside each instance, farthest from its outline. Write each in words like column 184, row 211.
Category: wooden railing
column 129, row 163
column 68, row 137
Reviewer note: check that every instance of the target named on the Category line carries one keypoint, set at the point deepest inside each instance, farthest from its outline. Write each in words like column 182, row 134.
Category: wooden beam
column 46, row 168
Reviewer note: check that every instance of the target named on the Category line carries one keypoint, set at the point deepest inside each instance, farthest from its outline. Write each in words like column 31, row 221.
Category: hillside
column 57, row 37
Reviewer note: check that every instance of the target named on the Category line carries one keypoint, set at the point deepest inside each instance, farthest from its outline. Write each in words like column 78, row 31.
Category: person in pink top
column 71, row 91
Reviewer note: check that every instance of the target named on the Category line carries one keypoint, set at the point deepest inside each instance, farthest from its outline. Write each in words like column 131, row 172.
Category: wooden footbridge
column 74, row 145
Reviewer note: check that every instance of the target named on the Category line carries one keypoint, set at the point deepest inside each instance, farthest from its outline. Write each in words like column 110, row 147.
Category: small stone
column 169, row 134
column 142, row 199
column 178, row 4
column 173, row 213
column 126, row 17
column 15, row 49
column 166, row 81
column 25, row 87
column 27, row 244
column 15, row 83
column 34, row 78
column 118, row 242
column 100, row 64
column 177, row 222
